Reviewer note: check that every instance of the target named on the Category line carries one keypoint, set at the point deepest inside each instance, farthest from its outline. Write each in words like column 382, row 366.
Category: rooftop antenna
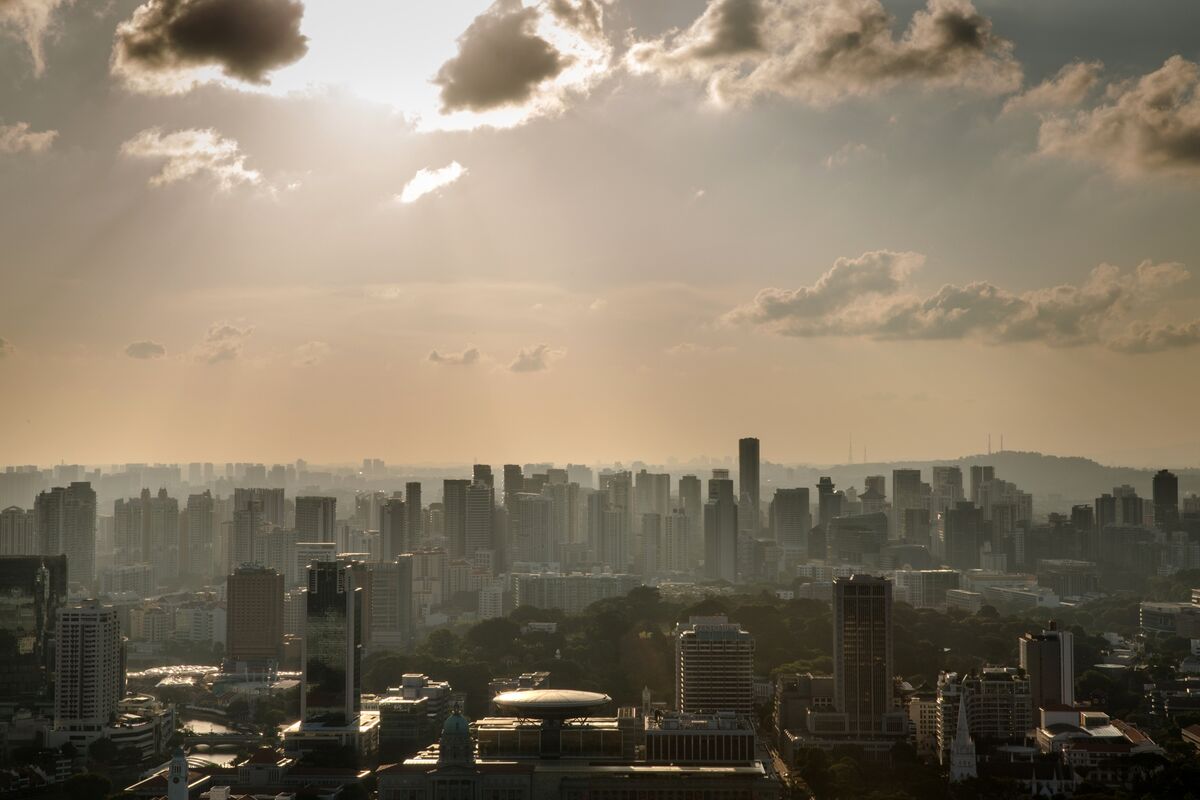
column 1002, row 443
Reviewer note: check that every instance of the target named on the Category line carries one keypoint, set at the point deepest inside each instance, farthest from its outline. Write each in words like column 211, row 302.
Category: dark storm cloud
column 246, row 39
column 501, row 60
column 871, row 296
column 145, row 349
column 821, row 52
column 1151, row 125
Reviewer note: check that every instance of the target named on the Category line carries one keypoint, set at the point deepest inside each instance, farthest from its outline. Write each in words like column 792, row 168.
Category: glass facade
column 32, row 589
column 332, row 643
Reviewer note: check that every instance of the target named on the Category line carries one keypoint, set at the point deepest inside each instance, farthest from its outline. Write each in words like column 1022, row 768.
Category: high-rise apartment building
column 66, row 525
column 692, row 505
column 862, row 651
column 964, row 536
column 271, row 503
column 201, row 535
column 393, row 529
column 18, row 532
column 254, row 615
column 316, row 519
column 1049, row 660
column 721, row 531
column 391, row 617
column 749, row 489
column 454, row 511
column 332, row 647
column 714, row 666
column 531, row 528
column 479, row 520
column 90, row 667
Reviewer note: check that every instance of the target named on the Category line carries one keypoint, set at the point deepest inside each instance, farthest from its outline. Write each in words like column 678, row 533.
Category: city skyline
column 345, row 223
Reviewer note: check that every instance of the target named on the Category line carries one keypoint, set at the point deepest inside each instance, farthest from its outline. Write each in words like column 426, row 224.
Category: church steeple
column 962, row 751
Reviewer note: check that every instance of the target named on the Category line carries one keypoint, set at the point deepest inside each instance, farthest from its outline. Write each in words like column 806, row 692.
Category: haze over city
column 599, row 400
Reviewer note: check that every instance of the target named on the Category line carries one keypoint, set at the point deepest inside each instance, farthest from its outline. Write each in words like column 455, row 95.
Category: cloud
column 872, row 296
column 466, row 358
column 1067, row 89
column 30, row 21
column 850, row 151
column 823, row 51
column 430, row 180
column 598, row 305
column 693, row 349
column 17, row 138
column 1151, row 125
column 192, row 153
column 145, row 349
column 310, row 354
column 536, row 358
column 515, row 62
column 166, row 43
column 6, row 348
column 223, row 342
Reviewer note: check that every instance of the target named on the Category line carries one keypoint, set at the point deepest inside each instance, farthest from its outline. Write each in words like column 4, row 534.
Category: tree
column 87, row 786
column 103, row 750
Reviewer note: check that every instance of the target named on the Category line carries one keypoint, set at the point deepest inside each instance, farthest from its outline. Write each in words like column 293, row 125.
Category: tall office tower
column 66, row 525
column 676, row 554
column 750, row 505
column 979, row 476
column 514, row 481
column 946, row 489
column 393, row 529
column 1049, row 659
column 416, row 515
column 201, row 535
column 906, row 494
column 721, row 531
column 306, row 554
column 964, row 535
column 271, row 502
column 581, row 474
column 714, row 667
column 390, row 615
column 18, row 532
column 791, row 518
column 478, row 534
column 862, row 651
column 366, row 510
column 254, row 626
column 1166, row 500
column 531, row 528
column 650, row 561
column 454, row 510
column 248, row 527
column 333, row 635
column 316, row 519
column 35, row 587
column 482, row 473
column 90, row 667
column 829, row 502
column 690, row 503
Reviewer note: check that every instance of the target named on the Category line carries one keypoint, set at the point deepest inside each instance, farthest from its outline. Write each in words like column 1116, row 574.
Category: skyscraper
column 90, row 666
column 201, row 535
column 316, row 519
column 721, row 531
column 66, row 525
column 907, row 492
column 980, row 475
column 862, row 651
column 714, row 667
column 964, row 535
column 829, row 502
column 1166, row 500
column 18, row 532
column 248, row 527
column 35, row 587
column 454, row 510
column 750, row 500
column 271, row 503
column 478, row 534
column 254, row 628
column 482, row 473
column 531, row 527
column 393, row 529
column 791, row 516
column 390, row 614
column 332, row 644
column 693, row 508
column 1049, row 659
column 416, row 513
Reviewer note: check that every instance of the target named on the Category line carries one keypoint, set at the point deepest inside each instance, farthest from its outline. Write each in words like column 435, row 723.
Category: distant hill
column 1077, row 480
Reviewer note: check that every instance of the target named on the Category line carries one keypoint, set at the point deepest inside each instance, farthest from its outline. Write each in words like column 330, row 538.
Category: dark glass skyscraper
column 862, row 651
column 749, row 487
column 34, row 588
column 1166, row 500
column 332, row 644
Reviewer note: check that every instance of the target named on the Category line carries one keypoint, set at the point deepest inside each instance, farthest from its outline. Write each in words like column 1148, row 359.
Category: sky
column 598, row 230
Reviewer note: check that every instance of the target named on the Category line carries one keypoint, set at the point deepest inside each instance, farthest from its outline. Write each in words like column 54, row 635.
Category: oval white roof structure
column 550, row 703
